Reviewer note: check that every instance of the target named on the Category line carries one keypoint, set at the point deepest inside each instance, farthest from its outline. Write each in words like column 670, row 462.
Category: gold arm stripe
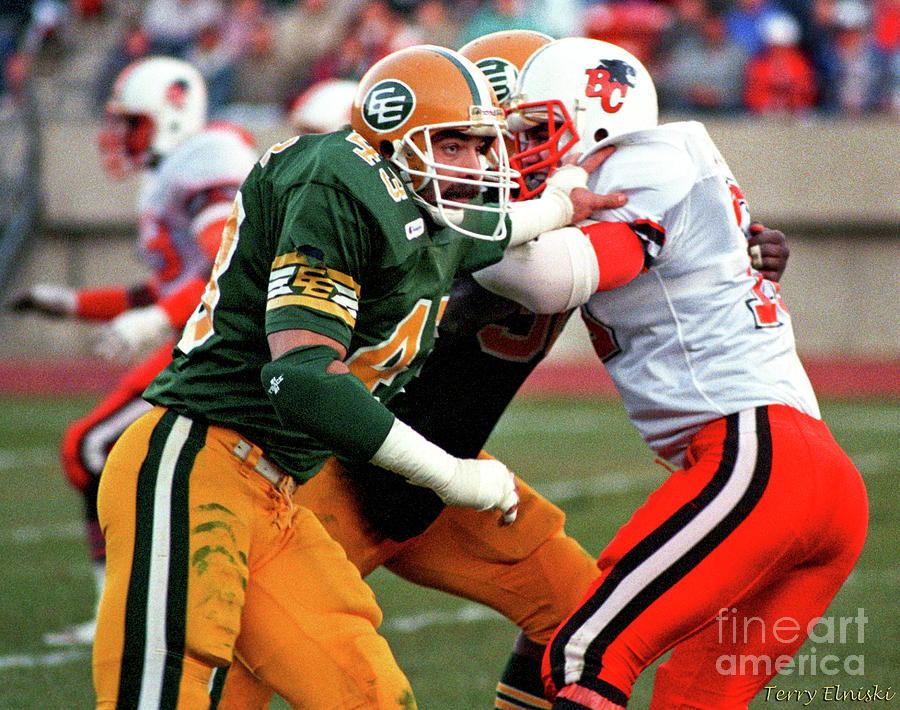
column 294, row 258
column 317, row 304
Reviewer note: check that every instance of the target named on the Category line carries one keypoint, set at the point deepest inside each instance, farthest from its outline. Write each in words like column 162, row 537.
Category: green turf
column 582, row 454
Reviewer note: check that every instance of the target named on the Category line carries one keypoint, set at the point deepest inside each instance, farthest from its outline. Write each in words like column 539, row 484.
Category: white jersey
column 698, row 334
column 191, row 188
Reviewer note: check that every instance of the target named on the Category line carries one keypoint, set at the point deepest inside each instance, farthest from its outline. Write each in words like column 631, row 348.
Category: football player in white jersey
column 767, row 515
column 156, row 123
column 479, row 362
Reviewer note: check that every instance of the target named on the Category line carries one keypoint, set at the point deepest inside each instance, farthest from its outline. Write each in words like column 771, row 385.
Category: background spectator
column 429, row 23
column 133, row 45
column 28, row 30
column 499, row 15
column 745, row 20
column 634, row 25
column 174, row 26
column 704, row 68
column 368, row 37
column 780, row 80
column 222, row 45
column 860, row 69
column 300, row 32
column 886, row 31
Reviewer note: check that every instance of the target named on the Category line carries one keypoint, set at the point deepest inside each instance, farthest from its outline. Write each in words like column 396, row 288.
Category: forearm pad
column 335, row 409
column 551, row 274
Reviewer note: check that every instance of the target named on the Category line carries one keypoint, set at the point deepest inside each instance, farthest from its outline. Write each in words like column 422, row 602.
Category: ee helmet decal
column 501, row 73
column 388, row 105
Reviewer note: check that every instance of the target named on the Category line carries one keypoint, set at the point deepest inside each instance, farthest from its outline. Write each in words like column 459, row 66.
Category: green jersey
column 323, row 237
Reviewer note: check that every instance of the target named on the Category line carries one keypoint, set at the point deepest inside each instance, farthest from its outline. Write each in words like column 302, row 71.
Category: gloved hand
column 134, row 333
column 46, row 299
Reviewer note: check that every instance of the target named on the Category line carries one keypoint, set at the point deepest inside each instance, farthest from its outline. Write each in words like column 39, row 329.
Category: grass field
column 583, row 455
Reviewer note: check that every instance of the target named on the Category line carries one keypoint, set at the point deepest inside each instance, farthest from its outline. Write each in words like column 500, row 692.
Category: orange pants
column 752, row 539
column 208, row 559
column 86, row 442
column 531, row 571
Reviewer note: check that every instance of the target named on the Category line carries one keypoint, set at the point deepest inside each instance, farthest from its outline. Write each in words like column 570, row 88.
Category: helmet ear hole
column 600, row 134
column 386, row 148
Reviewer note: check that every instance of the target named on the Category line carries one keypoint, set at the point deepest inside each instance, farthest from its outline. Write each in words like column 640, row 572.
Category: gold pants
column 207, row 560
column 530, row 571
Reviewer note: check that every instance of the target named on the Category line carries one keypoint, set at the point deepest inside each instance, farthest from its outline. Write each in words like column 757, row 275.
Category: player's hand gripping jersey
column 328, row 275
column 698, row 334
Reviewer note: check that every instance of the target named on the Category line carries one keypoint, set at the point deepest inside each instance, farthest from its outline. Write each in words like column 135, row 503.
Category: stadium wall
column 831, row 185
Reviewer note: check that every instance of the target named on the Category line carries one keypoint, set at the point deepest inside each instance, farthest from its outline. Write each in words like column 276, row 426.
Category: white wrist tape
column 552, row 210
column 407, row 452
column 475, row 483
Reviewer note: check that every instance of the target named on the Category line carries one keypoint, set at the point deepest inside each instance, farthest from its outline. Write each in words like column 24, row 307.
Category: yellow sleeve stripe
column 315, row 303
column 337, row 276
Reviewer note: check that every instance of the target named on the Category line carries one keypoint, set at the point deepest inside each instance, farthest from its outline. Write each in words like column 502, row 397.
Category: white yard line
column 18, row 661
column 470, row 613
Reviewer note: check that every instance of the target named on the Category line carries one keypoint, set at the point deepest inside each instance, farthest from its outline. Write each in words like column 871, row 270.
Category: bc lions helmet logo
column 388, row 105
column 609, row 76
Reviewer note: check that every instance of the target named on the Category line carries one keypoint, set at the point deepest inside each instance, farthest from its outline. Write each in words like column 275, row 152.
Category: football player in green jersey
column 332, row 274
column 532, row 573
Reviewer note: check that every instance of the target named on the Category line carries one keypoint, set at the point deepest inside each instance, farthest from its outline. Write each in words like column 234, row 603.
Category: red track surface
column 831, row 377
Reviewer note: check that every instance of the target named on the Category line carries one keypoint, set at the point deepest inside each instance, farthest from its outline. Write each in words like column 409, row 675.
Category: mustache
column 457, row 192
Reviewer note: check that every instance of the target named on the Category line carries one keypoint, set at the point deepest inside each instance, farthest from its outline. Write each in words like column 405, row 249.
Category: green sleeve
column 480, row 253
column 337, row 410
column 323, row 247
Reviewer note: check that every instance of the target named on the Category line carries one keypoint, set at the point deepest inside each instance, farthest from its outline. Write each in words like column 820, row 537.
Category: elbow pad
column 550, row 274
column 335, row 409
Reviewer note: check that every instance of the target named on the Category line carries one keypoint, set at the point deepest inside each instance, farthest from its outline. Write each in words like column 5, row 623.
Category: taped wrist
column 335, row 409
column 552, row 210
column 407, row 452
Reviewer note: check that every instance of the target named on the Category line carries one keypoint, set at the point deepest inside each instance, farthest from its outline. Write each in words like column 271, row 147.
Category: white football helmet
column 413, row 94
column 588, row 92
column 324, row 107
column 156, row 103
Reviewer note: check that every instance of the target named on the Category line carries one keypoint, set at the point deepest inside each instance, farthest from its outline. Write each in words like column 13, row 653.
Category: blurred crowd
column 707, row 56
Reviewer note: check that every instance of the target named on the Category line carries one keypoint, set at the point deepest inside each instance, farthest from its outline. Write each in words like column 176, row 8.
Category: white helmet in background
column 324, row 107
column 155, row 105
column 587, row 91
